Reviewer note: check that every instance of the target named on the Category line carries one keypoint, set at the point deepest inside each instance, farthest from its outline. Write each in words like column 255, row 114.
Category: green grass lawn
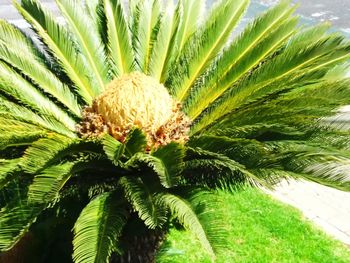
column 261, row 230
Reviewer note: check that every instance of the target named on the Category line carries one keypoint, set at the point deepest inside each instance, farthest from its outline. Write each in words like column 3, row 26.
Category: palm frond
column 319, row 164
column 135, row 142
column 146, row 16
column 8, row 168
column 163, row 48
column 254, row 131
column 119, row 38
column 333, row 173
column 61, row 45
column 92, row 8
column 90, row 44
column 15, row 221
column 17, row 87
column 15, row 138
column 204, row 46
column 264, row 36
column 47, row 151
column 245, row 150
column 13, row 111
column 292, row 68
column 171, row 158
column 19, row 52
column 215, row 169
column 308, row 35
column 15, row 133
column 167, row 169
column 144, row 201
column 113, row 148
column 332, row 138
column 46, row 185
column 97, row 229
column 191, row 13
column 206, row 225
column 301, row 105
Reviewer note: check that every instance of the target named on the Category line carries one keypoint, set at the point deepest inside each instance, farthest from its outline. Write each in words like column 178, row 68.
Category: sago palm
column 133, row 112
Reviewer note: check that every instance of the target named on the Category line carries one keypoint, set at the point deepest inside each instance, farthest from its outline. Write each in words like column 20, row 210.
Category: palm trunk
column 140, row 248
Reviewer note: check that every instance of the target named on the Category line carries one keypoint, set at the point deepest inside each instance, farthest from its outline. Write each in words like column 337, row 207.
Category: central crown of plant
column 136, row 101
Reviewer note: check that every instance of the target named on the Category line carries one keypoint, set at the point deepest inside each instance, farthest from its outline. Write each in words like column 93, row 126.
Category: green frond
column 208, row 233
column 97, row 229
column 14, row 38
column 323, row 165
column 304, row 106
column 166, row 162
column 332, row 138
column 292, row 68
column 17, row 129
column 171, row 159
column 17, row 87
column 215, row 169
column 15, row 222
column 62, row 46
column 119, row 38
column 264, row 36
column 8, row 168
column 256, row 131
column 144, row 201
column 19, row 52
column 339, row 72
column 47, row 184
column 183, row 211
column 247, row 151
column 145, row 26
column 12, row 125
column 333, row 173
column 91, row 8
column 135, row 142
column 163, row 48
column 90, row 44
column 48, row 151
column 13, row 111
column 273, row 176
column 191, row 13
column 308, row 35
column 204, row 46
column 152, row 162
column 113, row 148
column 16, row 138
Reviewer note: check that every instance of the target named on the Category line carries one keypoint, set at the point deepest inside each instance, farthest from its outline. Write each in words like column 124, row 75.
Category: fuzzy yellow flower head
column 136, row 100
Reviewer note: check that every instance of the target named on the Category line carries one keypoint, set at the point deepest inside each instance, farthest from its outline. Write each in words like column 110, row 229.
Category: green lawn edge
column 261, row 229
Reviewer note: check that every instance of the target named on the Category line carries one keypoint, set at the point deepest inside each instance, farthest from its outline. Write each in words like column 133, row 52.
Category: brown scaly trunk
column 141, row 248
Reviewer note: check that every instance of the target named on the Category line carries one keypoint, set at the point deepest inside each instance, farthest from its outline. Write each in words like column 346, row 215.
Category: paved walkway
column 327, row 207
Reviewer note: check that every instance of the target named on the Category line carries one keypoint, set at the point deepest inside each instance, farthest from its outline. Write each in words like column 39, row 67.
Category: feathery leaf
column 19, row 52
column 97, row 229
column 17, row 87
column 119, row 38
column 144, row 201
column 90, row 44
column 62, row 46
column 204, row 46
